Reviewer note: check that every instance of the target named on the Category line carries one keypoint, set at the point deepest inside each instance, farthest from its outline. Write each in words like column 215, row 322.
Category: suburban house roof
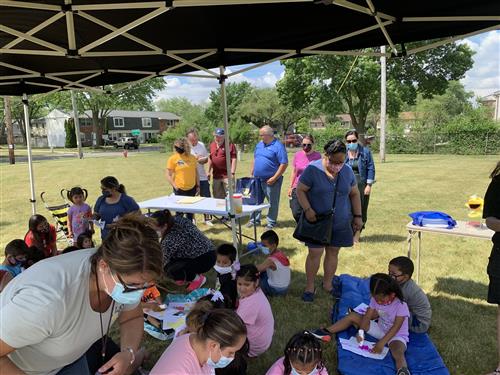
column 140, row 114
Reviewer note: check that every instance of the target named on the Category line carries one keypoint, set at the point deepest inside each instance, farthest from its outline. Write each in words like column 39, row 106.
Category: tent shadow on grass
column 382, row 238
column 460, row 287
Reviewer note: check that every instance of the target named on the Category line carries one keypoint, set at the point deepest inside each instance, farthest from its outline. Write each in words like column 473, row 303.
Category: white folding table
column 462, row 229
column 208, row 206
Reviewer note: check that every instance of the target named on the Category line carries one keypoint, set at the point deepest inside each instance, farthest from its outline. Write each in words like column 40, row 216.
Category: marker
column 361, row 333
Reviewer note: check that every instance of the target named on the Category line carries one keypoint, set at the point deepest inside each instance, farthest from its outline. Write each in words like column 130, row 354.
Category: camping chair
column 60, row 216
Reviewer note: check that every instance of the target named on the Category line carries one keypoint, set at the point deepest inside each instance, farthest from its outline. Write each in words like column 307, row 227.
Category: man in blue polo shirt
column 270, row 162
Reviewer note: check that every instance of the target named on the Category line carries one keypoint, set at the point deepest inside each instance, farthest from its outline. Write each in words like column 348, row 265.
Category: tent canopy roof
column 47, row 45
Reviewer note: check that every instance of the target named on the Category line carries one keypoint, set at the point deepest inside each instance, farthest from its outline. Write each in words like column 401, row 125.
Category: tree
column 235, row 95
column 69, row 127
column 263, row 107
column 312, row 83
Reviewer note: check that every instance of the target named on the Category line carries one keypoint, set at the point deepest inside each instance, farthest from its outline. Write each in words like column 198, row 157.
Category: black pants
column 94, row 358
column 186, row 269
column 187, row 193
column 295, row 206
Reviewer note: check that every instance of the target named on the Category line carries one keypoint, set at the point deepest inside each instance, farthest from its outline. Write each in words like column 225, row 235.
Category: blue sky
column 482, row 79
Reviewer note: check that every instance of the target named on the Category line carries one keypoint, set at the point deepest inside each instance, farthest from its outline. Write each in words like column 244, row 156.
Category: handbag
column 250, row 190
column 320, row 231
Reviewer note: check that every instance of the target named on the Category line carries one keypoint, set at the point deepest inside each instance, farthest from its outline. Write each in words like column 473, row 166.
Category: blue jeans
column 268, row 289
column 272, row 193
column 79, row 367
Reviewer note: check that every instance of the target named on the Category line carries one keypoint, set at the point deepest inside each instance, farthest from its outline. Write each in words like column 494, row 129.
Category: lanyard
column 104, row 338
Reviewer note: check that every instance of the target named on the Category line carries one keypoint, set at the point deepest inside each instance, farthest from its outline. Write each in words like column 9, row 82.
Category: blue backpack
column 435, row 219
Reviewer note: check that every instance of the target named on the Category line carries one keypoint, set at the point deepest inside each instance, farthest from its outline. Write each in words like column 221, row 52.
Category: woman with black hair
column 41, row 235
column 112, row 204
column 328, row 184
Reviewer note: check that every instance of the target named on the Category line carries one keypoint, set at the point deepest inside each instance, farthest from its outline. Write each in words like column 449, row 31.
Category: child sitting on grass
column 225, row 266
column 401, row 270
column 255, row 310
column 275, row 270
column 386, row 319
column 303, row 355
column 16, row 253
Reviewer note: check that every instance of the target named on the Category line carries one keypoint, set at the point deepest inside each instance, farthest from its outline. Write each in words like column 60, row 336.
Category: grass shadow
column 460, row 287
column 382, row 238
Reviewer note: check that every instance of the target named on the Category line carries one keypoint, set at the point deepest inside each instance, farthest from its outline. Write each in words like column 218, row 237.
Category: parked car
column 293, row 140
column 127, row 142
column 109, row 142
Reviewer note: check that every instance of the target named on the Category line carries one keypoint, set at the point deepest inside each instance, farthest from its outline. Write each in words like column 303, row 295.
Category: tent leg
column 77, row 125
column 28, row 145
column 222, row 80
column 383, row 103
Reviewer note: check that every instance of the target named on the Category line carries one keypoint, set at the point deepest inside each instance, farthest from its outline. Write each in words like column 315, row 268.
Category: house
column 150, row 124
column 319, row 123
column 493, row 102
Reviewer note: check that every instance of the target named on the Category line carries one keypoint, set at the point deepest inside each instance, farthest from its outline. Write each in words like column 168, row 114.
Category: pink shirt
column 387, row 315
column 301, row 161
column 278, row 368
column 180, row 359
column 256, row 312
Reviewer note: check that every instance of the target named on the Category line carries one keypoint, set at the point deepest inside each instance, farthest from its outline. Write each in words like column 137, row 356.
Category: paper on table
column 190, row 200
column 155, row 314
column 361, row 308
column 353, row 346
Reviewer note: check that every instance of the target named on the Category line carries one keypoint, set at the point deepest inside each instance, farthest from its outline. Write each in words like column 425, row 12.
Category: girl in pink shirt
column 303, row 356
column 221, row 334
column 255, row 310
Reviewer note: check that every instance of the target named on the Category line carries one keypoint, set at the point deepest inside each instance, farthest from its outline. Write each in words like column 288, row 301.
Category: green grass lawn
column 453, row 268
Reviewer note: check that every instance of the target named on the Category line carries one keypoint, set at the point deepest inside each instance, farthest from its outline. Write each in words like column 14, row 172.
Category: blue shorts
column 268, row 289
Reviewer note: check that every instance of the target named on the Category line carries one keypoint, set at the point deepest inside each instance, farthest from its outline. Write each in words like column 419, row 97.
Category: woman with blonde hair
column 53, row 312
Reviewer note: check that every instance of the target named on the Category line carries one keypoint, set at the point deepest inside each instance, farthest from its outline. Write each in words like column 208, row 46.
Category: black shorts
column 494, row 275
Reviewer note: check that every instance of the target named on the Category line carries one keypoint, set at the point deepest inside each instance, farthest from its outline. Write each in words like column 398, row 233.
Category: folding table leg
column 240, row 235
column 408, row 239
column 419, row 245
column 254, row 232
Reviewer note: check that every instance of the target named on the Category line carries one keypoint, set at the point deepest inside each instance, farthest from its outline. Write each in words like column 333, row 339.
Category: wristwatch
column 358, row 216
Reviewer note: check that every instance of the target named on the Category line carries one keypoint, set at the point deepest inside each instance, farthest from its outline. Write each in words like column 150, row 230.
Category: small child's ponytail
column 303, row 348
column 249, row 272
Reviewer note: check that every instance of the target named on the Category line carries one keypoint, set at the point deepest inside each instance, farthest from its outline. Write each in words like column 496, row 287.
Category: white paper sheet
column 361, row 308
column 353, row 346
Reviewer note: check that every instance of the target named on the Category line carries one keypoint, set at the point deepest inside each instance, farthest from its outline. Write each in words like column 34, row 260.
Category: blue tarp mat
column 421, row 355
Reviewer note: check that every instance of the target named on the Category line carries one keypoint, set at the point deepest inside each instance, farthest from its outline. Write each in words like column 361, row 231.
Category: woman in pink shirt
column 213, row 346
column 301, row 160
column 255, row 310
column 303, row 356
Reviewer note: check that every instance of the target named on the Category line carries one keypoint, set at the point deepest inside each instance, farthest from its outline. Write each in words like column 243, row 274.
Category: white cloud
column 197, row 89
column 484, row 77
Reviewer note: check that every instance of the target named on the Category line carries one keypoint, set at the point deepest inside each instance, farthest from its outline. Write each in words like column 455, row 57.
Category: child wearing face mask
column 41, row 235
column 226, row 268
column 255, row 310
column 16, row 253
column 303, row 356
column 386, row 319
column 220, row 334
column 275, row 270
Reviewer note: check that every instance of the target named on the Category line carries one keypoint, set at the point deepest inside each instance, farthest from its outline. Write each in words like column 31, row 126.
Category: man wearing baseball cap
column 217, row 164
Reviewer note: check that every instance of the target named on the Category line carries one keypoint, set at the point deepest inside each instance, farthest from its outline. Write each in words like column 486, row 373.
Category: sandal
column 308, row 296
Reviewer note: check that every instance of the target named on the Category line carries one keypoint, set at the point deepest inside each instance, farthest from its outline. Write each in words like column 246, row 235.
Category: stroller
column 60, row 215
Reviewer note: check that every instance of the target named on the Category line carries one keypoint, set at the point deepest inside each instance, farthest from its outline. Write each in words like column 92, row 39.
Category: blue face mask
column 221, row 363
column 352, row 146
column 129, row 298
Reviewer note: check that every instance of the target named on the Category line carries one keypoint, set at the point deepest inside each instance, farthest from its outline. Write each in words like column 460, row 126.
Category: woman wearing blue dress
column 325, row 184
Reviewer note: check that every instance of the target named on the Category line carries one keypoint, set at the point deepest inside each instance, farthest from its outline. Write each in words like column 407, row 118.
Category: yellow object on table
column 190, row 200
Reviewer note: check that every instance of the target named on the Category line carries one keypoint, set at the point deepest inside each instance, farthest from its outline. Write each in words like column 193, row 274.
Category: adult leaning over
column 187, row 252
column 52, row 313
column 491, row 212
column 325, row 184
column 301, row 160
column 269, row 164
column 112, row 204
column 360, row 160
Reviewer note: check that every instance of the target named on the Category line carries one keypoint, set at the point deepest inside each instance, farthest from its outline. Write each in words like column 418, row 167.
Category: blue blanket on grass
column 421, row 355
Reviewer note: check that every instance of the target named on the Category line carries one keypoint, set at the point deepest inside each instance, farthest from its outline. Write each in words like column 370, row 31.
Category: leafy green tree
column 69, row 127
column 314, row 83
column 236, row 93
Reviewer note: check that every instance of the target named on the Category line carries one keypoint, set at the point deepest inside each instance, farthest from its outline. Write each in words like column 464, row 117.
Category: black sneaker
column 322, row 334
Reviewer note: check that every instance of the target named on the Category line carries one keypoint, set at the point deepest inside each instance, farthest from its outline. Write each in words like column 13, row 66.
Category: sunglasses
column 129, row 288
column 352, row 141
column 306, row 144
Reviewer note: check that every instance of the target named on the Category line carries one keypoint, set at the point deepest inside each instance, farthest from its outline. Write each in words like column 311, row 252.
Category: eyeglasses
column 306, row 144
column 351, row 141
column 129, row 288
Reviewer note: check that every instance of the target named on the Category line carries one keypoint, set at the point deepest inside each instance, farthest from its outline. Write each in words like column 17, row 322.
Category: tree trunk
column 10, row 132
column 95, row 128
